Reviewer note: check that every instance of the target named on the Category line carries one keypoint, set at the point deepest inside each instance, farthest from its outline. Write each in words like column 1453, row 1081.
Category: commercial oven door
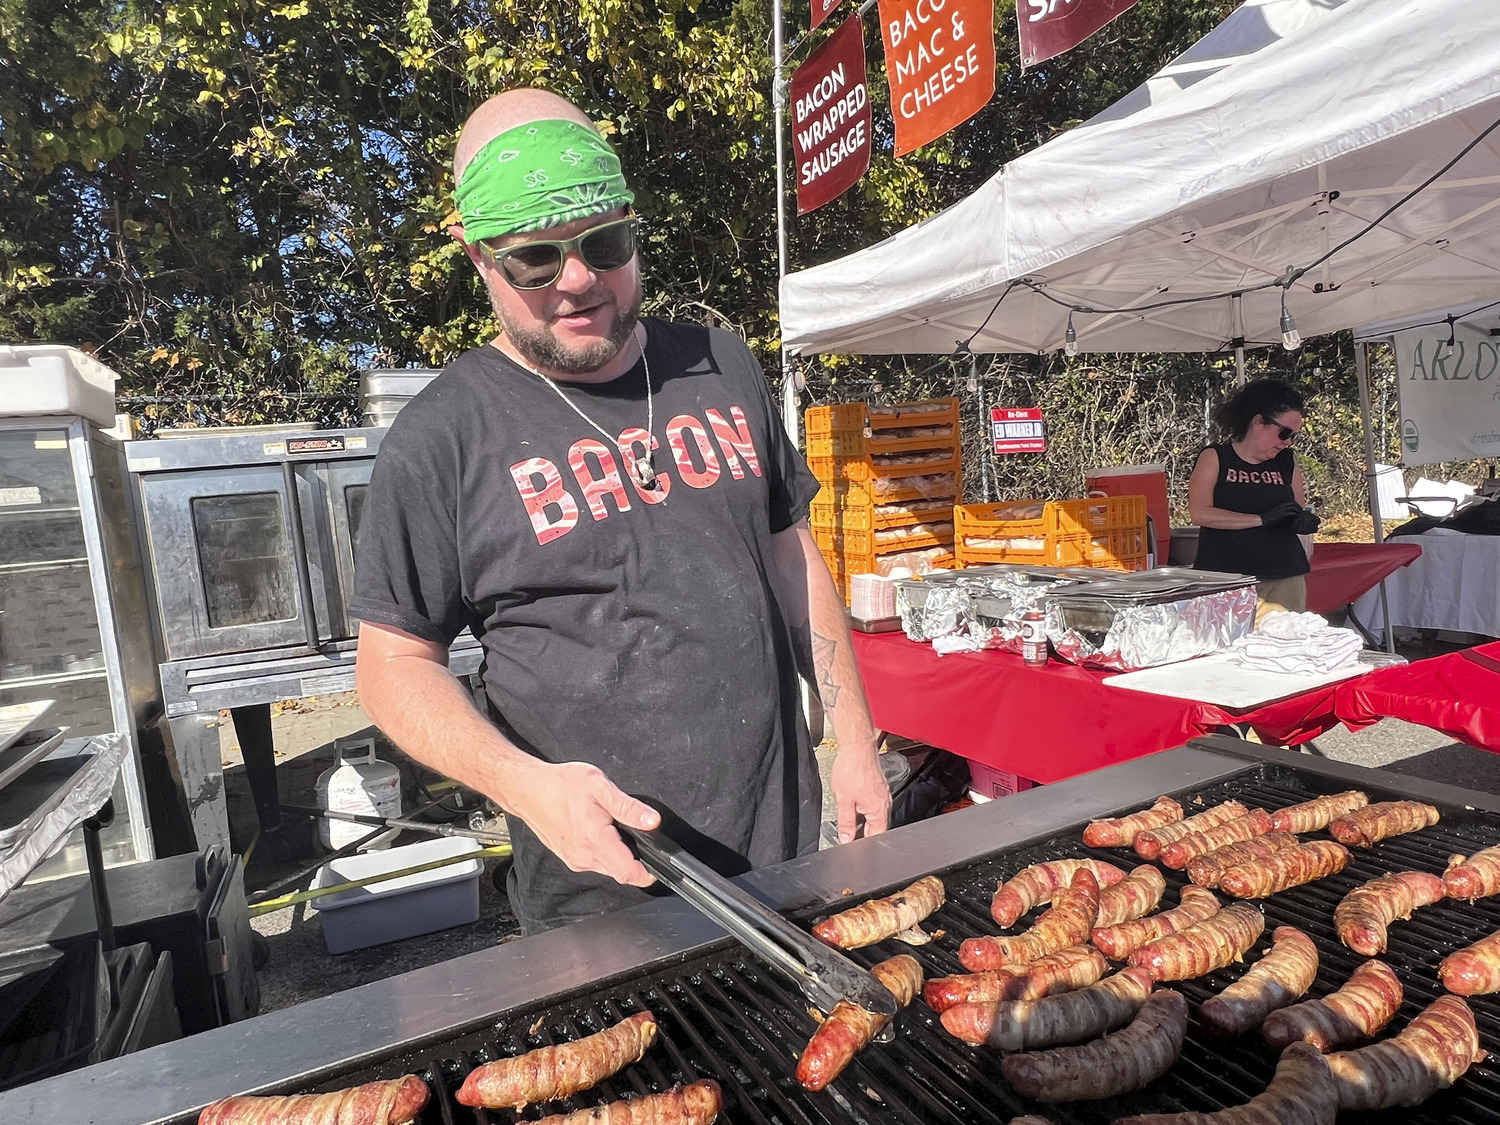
column 222, row 544
column 348, row 485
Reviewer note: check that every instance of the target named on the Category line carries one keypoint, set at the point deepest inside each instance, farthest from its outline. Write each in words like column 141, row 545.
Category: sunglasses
column 536, row 265
column 1285, row 433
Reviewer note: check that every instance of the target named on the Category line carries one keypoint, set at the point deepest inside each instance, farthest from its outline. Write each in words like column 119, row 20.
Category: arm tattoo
column 824, row 649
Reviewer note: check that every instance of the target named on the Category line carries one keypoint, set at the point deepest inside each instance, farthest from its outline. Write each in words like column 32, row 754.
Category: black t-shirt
column 1265, row 552
column 637, row 630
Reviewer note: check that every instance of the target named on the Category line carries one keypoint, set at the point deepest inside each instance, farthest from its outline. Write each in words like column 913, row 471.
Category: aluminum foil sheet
column 1130, row 637
column 982, row 603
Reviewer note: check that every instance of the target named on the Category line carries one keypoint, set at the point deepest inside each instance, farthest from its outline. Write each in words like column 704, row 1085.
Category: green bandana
column 539, row 175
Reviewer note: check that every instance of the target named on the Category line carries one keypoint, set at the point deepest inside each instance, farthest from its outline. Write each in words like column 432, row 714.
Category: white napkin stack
column 1298, row 642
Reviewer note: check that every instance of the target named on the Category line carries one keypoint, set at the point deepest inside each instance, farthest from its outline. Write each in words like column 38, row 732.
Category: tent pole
column 984, row 429
column 789, row 417
column 1362, row 377
column 1236, row 326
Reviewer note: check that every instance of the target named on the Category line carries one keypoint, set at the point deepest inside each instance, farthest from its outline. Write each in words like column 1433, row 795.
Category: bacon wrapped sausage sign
column 1276, row 980
column 1477, row 876
column 1365, row 912
column 695, row 1104
column 1076, row 967
column 1315, row 815
column 1366, row 827
column 1149, row 844
column 1199, row 950
column 1039, row 882
column 1119, row 941
column 849, row 1028
column 1430, row 1054
column 1302, row 1092
column 392, row 1102
column 1069, row 921
column 882, row 918
column 1366, row 1003
column 560, row 1071
column 1122, row 831
column 1026, row 1025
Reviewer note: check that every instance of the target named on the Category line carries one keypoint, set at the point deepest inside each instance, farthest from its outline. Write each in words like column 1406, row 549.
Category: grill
column 723, row 1016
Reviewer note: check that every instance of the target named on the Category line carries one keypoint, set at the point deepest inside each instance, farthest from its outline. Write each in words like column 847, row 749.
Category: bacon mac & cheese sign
column 940, row 61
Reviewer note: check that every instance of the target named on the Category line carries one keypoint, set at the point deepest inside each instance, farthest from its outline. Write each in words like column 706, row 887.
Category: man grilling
column 611, row 506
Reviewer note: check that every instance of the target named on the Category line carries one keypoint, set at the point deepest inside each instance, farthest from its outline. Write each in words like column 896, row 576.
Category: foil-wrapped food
column 1125, row 633
column 981, row 604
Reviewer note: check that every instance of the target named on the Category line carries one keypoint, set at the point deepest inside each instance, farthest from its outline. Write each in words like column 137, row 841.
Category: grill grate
column 722, row 1015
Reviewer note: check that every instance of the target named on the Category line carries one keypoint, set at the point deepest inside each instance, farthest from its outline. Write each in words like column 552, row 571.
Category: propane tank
column 358, row 782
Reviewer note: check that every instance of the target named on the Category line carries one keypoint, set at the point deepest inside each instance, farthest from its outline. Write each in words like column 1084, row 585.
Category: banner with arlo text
column 940, row 62
column 1050, row 27
column 1450, row 398
column 831, row 118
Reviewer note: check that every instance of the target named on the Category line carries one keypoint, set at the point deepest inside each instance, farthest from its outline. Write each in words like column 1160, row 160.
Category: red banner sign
column 1050, row 27
column 821, row 9
column 940, row 61
column 831, row 118
column 1018, row 431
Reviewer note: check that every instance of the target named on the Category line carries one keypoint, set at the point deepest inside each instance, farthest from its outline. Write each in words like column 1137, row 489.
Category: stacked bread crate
column 890, row 477
column 1107, row 532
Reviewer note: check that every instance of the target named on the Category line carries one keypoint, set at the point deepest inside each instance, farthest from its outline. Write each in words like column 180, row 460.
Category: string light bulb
column 1445, row 349
column 1291, row 339
column 1070, row 337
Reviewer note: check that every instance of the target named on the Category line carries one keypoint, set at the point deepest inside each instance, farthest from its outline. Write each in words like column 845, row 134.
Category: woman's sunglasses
column 536, row 265
column 1285, row 433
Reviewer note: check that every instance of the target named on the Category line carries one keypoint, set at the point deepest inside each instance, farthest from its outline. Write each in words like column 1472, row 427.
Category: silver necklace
column 641, row 469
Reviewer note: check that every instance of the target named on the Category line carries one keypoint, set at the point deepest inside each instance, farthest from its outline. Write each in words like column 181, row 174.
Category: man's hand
column 860, row 790
column 572, row 807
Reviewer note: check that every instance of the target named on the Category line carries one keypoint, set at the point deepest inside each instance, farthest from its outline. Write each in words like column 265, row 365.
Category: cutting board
column 1220, row 679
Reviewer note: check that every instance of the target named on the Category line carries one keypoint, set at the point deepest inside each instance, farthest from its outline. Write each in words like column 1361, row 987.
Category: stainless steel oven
column 250, row 535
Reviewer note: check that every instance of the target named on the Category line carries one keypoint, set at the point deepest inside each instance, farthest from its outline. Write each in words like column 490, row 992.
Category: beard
column 540, row 347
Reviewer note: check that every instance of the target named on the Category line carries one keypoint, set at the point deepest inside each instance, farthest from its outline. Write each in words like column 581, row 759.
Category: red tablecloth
column 1048, row 723
column 1342, row 572
column 1458, row 694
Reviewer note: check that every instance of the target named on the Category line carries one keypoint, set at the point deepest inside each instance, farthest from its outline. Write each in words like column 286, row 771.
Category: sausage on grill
column 1131, row 897
column 1118, row 942
column 1314, row 815
column 391, row 1102
column 1039, row 882
column 1305, row 863
column 1076, row 967
column 1177, row 854
column 1277, row 979
column 560, row 1071
column 1205, row 870
column 1025, row 1025
column 695, row 1104
column 1302, row 1092
column 1121, row 832
column 1199, row 950
column 849, row 1028
column 1358, row 1010
column 1478, row 876
column 1429, row 1054
column 1148, row 844
column 1365, row 912
column 1069, row 921
column 1366, row 827
column 1105, row 1068
column 882, row 918
column 1473, row 970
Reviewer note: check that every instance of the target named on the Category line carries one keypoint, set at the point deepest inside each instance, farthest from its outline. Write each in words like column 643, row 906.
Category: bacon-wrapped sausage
column 1278, row 978
column 1068, row 922
column 1121, row 831
column 1305, row 863
column 1473, row 970
column 1120, row 941
column 1205, row 870
column 882, row 918
column 392, row 1102
column 1366, row 827
column 1302, row 1092
column 1105, row 1068
column 560, row 1071
column 1148, row 844
column 1063, row 971
column 1039, row 882
column 695, row 1104
column 1199, row 950
column 1477, row 876
column 849, row 1028
column 1427, row 1055
column 1365, row 912
column 1314, row 815
column 1025, row 1025
column 1179, row 853
column 1365, row 1004
column 1135, row 895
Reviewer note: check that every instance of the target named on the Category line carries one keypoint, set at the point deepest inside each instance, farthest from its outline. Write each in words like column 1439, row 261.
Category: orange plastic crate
column 1107, row 532
column 905, row 414
column 820, row 421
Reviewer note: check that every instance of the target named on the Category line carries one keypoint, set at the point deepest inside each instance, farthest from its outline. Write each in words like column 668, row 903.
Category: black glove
column 1306, row 522
column 1281, row 514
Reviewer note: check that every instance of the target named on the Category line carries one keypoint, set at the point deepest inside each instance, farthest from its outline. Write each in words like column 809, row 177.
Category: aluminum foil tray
column 1104, row 633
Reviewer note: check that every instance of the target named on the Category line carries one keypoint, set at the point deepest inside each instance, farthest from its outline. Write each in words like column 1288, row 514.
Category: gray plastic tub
column 398, row 908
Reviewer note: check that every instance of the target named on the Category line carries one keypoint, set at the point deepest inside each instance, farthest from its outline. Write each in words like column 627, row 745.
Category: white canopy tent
column 1288, row 130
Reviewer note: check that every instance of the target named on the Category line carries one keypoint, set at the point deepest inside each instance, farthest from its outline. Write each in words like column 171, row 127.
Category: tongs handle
column 824, row 975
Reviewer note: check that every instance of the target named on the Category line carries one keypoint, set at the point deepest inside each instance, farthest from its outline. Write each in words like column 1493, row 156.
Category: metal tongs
column 824, row 975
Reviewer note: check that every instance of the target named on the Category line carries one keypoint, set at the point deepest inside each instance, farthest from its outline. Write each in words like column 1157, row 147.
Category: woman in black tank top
column 1248, row 497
